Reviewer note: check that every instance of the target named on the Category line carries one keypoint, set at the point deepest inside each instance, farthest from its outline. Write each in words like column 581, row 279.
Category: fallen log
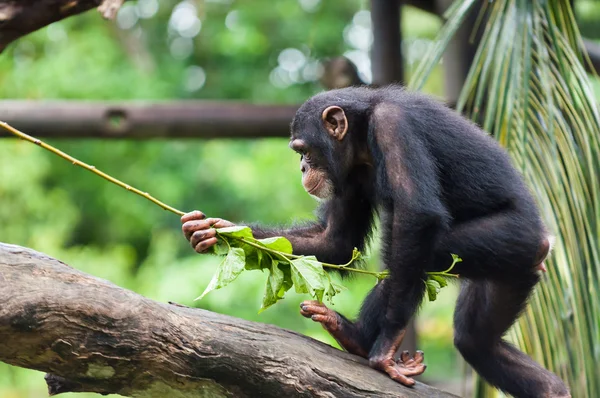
column 93, row 336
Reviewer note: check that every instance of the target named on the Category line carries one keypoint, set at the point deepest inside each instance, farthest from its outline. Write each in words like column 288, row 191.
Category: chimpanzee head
column 329, row 132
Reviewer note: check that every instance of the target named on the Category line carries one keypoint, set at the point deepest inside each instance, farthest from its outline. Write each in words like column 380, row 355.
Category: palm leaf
column 527, row 86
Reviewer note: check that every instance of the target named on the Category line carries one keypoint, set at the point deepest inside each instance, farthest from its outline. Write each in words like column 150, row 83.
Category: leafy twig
column 437, row 280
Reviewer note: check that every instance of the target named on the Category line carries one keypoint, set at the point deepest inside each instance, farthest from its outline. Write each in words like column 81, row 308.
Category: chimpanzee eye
column 306, row 157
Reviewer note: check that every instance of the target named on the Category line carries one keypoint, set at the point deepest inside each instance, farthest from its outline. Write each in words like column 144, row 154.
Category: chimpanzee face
column 312, row 140
column 315, row 177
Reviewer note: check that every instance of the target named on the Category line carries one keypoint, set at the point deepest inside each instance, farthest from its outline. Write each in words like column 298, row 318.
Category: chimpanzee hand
column 200, row 231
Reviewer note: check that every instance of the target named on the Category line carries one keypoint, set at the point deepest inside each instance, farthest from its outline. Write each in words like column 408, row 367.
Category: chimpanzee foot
column 318, row 312
column 344, row 331
column 403, row 368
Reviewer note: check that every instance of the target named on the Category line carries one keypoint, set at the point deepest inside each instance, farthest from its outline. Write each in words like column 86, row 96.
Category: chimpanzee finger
column 309, row 302
column 205, row 245
column 413, row 370
column 404, row 356
column 320, row 318
column 310, row 308
column 189, row 227
column 419, row 356
column 219, row 223
column 202, row 235
column 399, row 377
column 193, row 215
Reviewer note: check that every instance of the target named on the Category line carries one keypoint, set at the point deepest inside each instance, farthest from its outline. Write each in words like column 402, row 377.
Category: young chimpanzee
column 441, row 186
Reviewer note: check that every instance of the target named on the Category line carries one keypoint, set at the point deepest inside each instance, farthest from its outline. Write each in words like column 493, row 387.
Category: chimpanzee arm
column 345, row 222
column 414, row 219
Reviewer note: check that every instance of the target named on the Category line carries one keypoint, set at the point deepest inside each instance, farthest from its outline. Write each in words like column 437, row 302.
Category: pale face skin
column 314, row 180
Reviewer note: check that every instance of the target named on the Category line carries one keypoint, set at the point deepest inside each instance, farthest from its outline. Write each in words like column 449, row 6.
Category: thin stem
column 346, row 268
column 442, row 274
column 285, row 256
column 456, row 259
column 86, row 166
column 289, row 257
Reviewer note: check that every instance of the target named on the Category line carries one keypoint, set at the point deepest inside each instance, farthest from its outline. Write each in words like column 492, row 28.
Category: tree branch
column 93, row 336
column 144, row 119
column 21, row 17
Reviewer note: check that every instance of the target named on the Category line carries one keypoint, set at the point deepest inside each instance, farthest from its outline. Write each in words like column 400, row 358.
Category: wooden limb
column 93, row 336
column 142, row 119
column 21, row 17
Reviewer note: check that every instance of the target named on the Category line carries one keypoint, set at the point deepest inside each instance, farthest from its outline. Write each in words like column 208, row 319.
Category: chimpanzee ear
column 335, row 122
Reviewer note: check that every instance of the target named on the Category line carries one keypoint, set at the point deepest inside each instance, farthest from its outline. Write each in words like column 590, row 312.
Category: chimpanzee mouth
column 315, row 187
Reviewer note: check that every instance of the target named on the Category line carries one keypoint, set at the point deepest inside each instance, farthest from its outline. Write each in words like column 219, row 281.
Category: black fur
column 442, row 186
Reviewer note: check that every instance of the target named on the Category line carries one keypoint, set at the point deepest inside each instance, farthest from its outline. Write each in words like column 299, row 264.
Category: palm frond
column 527, row 86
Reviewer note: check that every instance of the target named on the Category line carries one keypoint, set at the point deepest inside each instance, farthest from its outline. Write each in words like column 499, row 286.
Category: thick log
column 91, row 335
column 138, row 120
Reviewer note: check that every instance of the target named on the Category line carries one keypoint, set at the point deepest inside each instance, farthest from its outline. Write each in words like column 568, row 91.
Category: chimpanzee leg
column 499, row 246
column 484, row 311
column 403, row 300
column 356, row 338
column 495, row 246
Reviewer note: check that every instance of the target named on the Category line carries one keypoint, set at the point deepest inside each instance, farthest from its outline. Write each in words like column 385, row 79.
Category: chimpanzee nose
column 303, row 168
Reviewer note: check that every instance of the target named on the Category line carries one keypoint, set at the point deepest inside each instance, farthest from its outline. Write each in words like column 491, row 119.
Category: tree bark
column 93, row 336
column 144, row 119
column 21, row 17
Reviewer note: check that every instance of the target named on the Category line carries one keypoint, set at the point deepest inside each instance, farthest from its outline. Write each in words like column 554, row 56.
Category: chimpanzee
column 440, row 185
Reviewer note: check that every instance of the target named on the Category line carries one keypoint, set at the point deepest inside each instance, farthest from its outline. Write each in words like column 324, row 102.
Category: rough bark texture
column 21, row 17
column 91, row 335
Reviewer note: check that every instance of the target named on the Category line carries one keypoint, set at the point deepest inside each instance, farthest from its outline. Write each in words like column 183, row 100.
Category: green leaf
column 439, row 279
column 228, row 270
column 221, row 248
column 433, row 288
column 333, row 289
column 275, row 289
column 278, row 243
column 309, row 276
column 254, row 258
column 228, row 237
column 237, row 231
column 287, row 276
column 455, row 258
